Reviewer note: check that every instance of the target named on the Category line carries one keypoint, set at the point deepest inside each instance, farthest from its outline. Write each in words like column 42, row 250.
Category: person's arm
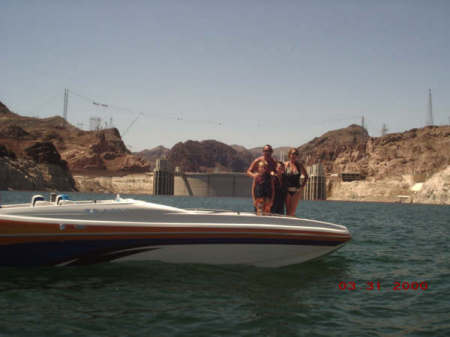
column 273, row 190
column 253, row 192
column 286, row 164
column 251, row 168
column 305, row 174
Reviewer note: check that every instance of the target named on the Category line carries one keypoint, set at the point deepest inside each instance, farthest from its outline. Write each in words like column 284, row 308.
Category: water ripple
column 391, row 243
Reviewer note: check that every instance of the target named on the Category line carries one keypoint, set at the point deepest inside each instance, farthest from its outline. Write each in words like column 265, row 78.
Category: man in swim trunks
column 267, row 156
column 267, row 159
column 263, row 191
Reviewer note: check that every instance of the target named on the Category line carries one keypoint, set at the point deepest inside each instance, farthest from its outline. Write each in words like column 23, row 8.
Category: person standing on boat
column 267, row 157
column 294, row 169
column 263, row 190
column 280, row 186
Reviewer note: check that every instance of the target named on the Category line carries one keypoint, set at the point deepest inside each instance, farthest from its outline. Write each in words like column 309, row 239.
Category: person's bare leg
column 267, row 206
column 259, row 207
column 294, row 202
column 288, row 204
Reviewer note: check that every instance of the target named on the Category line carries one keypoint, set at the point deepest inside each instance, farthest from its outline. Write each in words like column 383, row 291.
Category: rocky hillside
column 422, row 151
column 436, row 189
column 278, row 152
column 151, row 155
column 207, row 156
column 40, row 169
column 86, row 152
column 393, row 165
column 337, row 150
column 208, row 161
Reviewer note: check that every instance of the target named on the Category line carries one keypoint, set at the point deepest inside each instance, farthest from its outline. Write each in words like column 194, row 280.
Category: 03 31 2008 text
column 376, row 285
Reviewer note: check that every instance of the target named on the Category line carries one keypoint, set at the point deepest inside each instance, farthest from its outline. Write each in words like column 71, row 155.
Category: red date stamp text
column 376, row 285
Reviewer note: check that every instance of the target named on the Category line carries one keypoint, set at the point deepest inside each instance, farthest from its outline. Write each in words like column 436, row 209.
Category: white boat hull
column 130, row 230
column 221, row 254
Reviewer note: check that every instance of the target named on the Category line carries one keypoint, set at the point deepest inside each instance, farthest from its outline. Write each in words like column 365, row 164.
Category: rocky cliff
column 42, row 169
column 435, row 190
column 391, row 165
column 337, row 150
column 42, row 153
column 278, row 152
column 207, row 156
column 151, row 155
column 87, row 152
column 422, row 151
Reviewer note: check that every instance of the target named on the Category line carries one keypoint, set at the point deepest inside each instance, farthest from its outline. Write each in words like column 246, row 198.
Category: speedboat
column 64, row 232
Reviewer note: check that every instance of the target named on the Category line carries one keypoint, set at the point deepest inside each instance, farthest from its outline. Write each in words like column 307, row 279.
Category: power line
column 131, row 111
column 131, row 124
column 36, row 108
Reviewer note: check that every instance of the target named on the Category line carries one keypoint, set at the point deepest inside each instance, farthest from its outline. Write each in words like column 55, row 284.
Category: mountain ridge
column 50, row 148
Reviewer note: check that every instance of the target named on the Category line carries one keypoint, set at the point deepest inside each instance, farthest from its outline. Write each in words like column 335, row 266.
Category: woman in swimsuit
column 294, row 170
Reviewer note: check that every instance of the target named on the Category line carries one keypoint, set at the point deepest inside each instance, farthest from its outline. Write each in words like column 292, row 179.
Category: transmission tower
column 66, row 103
column 384, row 130
column 363, row 124
column 430, row 110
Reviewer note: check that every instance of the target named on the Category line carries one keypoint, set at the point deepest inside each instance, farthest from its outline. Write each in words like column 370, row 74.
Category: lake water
column 394, row 247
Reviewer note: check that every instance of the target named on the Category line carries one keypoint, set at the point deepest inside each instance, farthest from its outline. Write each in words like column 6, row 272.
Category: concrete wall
column 138, row 183
column 162, row 183
column 316, row 186
column 213, row 184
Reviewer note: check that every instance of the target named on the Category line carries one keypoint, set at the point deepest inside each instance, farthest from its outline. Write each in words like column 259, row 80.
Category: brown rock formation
column 87, row 152
column 27, row 164
column 417, row 151
column 392, row 164
column 422, row 151
column 45, row 153
column 208, row 155
column 43, row 170
column 257, row 151
column 153, row 154
column 337, row 150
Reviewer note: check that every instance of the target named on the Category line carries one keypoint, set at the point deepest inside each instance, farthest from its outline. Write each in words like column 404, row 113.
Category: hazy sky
column 242, row 72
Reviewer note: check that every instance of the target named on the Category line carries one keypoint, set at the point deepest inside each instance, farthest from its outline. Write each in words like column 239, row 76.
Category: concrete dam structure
column 316, row 187
column 223, row 184
column 213, row 185
column 167, row 182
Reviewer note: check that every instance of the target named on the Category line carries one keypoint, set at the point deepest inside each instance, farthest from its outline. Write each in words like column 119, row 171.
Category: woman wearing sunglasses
column 294, row 170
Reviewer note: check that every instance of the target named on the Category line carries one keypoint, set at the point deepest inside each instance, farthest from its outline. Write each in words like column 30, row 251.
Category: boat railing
column 82, row 202
column 38, row 201
column 13, row 205
column 76, row 202
column 212, row 211
column 209, row 210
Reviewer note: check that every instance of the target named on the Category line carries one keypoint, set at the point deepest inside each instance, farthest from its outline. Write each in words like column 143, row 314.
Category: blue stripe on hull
column 95, row 251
